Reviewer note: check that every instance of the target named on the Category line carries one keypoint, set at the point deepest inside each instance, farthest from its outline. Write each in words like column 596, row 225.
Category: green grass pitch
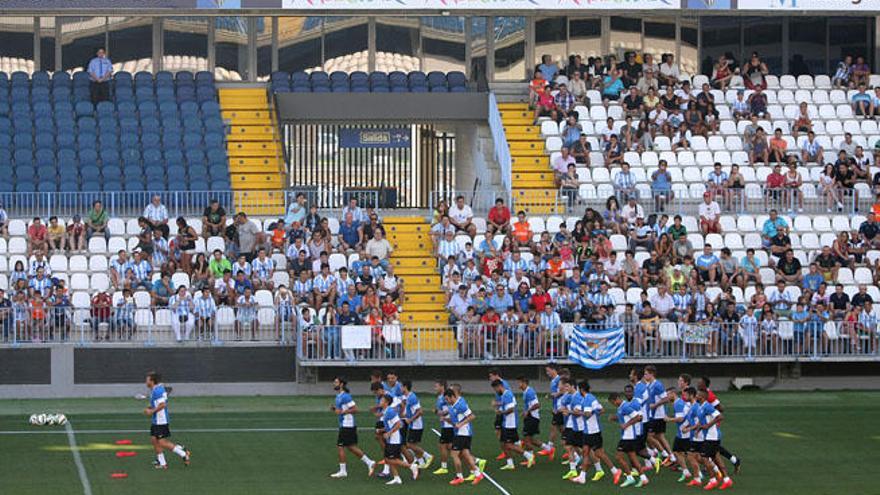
column 792, row 443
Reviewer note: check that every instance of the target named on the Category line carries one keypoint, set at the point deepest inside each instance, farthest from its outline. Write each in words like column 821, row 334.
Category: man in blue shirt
column 414, row 424
column 159, row 425
column 509, row 435
column 100, row 72
column 462, row 417
column 708, row 265
column 656, row 408
column 345, row 408
column 628, row 417
column 392, row 425
column 682, row 444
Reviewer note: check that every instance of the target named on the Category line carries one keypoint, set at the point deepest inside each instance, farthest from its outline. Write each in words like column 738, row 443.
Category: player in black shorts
column 441, row 408
column 345, row 408
column 495, row 375
column 682, row 443
column 628, row 415
column 530, row 416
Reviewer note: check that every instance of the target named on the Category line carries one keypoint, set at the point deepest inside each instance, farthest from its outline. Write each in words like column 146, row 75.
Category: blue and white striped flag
column 596, row 348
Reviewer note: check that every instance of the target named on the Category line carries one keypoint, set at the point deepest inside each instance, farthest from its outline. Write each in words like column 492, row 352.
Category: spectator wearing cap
column 710, row 213
column 213, row 219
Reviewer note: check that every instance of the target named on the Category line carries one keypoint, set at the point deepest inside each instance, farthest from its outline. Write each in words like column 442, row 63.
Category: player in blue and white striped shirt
column 531, row 416
column 159, row 425
column 345, row 408
column 441, row 408
column 682, row 444
column 394, row 440
column 462, row 417
column 205, row 309
column 557, row 423
column 572, row 436
column 415, row 426
column 509, row 435
column 591, row 410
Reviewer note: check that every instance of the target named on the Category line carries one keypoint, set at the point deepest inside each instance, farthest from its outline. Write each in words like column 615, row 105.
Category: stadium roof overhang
column 438, row 7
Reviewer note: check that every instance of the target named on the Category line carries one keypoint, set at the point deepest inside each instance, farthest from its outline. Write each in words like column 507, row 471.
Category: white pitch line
column 83, row 476
column 182, row 430
column 485, row 474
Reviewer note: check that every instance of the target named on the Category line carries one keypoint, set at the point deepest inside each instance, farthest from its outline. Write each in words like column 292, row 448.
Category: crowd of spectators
column 658, row 101
column 290, row 259
column 517, row 288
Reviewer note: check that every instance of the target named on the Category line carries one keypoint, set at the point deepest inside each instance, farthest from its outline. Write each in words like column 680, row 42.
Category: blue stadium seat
column 164, row 78
column 88, row 157
column 319, row 78
column 184, row 77
column 44, row 140
column 44, row 158
column 61, row 79
column 338, row 76
column 65, row 158
column 456, row 79
column 151, row 140
column 65, row 140
column 84, row 109
column 204, row 77
column 129, row 139
column 152, row 156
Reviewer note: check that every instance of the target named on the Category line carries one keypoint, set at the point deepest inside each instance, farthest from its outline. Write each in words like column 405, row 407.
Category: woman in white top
column 828, row 188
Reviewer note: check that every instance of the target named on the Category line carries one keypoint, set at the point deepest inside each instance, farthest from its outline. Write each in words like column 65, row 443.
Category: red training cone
column 126, row 453
column 117, row 476
column 123, row 442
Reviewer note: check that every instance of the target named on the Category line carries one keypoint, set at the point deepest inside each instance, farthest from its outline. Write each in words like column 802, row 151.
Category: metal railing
column 178, row 203
column 502, row 150
column 147, row 326
column 787, row 341
column 318, row 344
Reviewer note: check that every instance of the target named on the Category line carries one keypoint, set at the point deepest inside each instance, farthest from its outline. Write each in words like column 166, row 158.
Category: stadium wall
column 58, row 371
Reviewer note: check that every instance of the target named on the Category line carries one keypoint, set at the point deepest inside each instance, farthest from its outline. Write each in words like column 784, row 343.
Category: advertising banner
column 810, row 5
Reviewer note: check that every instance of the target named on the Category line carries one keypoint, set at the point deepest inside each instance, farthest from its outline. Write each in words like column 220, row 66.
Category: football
column 33, row 420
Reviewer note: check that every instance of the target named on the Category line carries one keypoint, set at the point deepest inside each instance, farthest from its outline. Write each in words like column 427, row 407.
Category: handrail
column 499, row 139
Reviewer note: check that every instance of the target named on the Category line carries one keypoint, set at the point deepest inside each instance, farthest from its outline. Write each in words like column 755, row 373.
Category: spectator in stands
column 379, row 247
column 861, row 73
column 845, row 178
column 749, row 270
column 625, row 182
column 262, row 269
column 569, row 184
column 802, row 123
column 350, row 237
column 141, row 270
column 498, row 220
column 811, row 150
column 205, row 312
column 788, row 269
column 578, row 88
column 716, row 182
column 641, row 235
column 561, row 162
column 870, row 231
column 101, row 307
column 649, row 85
column 613, row 151
column 778, row 147
column 37, row 236
column 249, row 236
column 157, row 215
column 661, row 186
column 760, row 148
column 843, row 75
column 162, row 290
column 772, row 226
column 214, row 219
column 657, row 120
column 76, row 234
column 694, row 120
column 828, row 187
column 722, row 73
column 96, row 221
column 123, row 325
column 630, row 69
column 564, row 102
column 612, row 86
column 758, row 103
column 645, row 137
column 545, row 105
column 56, row 235
column 708, row 266
column 581, row 149
column 710, row 213
column 863, row 102
column 848, row 145
column 181, row 306
column 572, row 131
column 791, row 184
column 548, row 68
column 633, row 103
column 741, row 108
column 735, row 187
column 461, row 217
column 755, row 73
column 185, row 243
column 669, row 73
column 100, row 71
column 296, row 211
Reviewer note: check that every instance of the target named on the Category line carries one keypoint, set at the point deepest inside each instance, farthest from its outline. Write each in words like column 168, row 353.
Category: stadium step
column 413, row 260
column 534, row 189
column 254, row 147
column 542, row 160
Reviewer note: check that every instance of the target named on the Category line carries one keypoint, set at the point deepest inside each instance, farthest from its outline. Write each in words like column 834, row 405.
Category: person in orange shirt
column 555, row 271
column 279, row 235
column 536, row 87
column 522, row 231
column 778, row 145
column 38, row 315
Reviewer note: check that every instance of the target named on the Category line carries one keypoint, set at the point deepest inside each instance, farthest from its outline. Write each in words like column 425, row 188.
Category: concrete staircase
column 424, row 301
column 533, row 188
column 256, row 162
